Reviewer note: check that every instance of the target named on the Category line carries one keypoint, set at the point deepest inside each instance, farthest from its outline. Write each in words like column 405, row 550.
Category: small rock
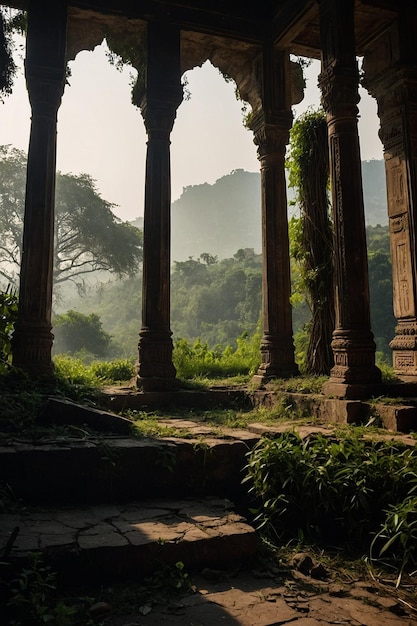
column 303, row 562
column 100, row 608
column 213, row 575
column 338, row 591
column 319, row 572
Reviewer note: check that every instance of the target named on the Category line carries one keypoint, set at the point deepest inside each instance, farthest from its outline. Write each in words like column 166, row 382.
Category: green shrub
column 115, row 371
column 76, row 372
column 396, row 543
column 8, row 317
column 335, row 492
column 198, row 360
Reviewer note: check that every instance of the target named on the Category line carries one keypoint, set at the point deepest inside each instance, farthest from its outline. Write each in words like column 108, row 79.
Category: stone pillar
column 354, row 374
column 270, row 125
column 391, row 77
column 162, row 94
column 45, row 69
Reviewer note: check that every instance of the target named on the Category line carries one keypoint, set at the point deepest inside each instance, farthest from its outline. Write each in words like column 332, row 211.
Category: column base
column 349, row 391
column 354, row 374
column 157, row 384
column 404, row 351
column 156, row 372
column 32, row 349
column 265, row 374
column 277, row 360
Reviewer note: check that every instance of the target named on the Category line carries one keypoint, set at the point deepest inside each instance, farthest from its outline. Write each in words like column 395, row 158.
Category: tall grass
column 198, row 360
column 76, row 372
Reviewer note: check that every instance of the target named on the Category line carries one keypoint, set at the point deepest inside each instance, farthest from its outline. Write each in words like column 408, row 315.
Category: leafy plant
column 114, row 371
column 329, row 490
column 33, row 600
column 8, row 317
column 311, row 234
column 395, row 544
column 198, row 360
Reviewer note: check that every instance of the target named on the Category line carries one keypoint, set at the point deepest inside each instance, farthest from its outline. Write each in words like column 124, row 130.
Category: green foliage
column 383, row 321
column 8, row 317
column 33, row 599
column 9, row 21
column 198, row 360
column 311, row 234
column 216, row 301
column 75, row 332
column 119, row 370
column 335, row 492
column 88, row 236
column 395, row 544
column 76, row 372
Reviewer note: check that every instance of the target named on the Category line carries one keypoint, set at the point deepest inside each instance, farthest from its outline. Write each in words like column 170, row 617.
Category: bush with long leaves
column 347, row 492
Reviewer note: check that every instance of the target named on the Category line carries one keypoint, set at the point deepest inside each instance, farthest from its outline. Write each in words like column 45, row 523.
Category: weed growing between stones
column 31, row 598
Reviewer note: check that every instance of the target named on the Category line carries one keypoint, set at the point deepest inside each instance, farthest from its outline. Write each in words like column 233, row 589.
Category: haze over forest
column 217, row 268
column 223, row 217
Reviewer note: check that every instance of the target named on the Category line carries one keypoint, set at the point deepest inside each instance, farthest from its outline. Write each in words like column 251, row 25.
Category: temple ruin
column 252, row 43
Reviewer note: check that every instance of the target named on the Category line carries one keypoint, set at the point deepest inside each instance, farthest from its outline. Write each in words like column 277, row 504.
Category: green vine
column 312, row 246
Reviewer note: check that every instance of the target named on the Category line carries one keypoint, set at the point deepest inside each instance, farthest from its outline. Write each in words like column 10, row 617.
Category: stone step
column 109, row 468
column 107, row 542
column 119, row 469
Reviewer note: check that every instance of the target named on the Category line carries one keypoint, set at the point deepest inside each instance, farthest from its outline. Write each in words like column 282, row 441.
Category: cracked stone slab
column 197, row 532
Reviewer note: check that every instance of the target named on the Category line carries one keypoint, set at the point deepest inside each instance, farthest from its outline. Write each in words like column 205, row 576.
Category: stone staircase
column 114, row 506
column 111, row 505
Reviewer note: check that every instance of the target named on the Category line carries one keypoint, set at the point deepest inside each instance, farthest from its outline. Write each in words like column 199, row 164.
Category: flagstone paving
column 248, row 599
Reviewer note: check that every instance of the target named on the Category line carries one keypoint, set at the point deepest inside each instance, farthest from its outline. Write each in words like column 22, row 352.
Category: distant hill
column 223, row 217
column 218, row 218
column 374, row 192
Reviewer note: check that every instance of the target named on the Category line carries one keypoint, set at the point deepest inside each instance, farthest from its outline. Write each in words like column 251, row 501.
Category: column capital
column 159, row 112
column 45, row 89
column 339, row 90
column 271, row 133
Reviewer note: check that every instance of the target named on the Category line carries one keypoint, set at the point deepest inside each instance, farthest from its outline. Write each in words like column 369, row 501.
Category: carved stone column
column 45, row 77
column 271, row 125
column 354, row 374
column 162, row 94
column 393, row 82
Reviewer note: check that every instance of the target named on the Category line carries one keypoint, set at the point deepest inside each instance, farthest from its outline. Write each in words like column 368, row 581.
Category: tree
column 8, row 317
column 380, row 287
column 312, row 242
column 88, row 235
column 75, row 332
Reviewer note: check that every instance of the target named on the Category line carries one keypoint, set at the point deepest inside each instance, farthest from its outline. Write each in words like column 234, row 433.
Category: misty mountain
column 218, row 218
column 225, row 216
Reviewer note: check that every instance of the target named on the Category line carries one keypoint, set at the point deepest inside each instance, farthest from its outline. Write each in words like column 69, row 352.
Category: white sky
column 101, row 133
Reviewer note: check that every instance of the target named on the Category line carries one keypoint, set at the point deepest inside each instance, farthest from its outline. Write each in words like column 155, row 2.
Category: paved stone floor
column 249, row 600
column 118, row 540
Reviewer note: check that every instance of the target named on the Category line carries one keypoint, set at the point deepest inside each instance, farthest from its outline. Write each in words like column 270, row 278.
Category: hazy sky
column 101, row 133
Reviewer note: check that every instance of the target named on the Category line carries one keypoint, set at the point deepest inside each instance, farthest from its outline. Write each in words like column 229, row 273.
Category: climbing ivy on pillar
column 161, row 95
column 45, row 68
column 308, row 166
column 354, row 374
